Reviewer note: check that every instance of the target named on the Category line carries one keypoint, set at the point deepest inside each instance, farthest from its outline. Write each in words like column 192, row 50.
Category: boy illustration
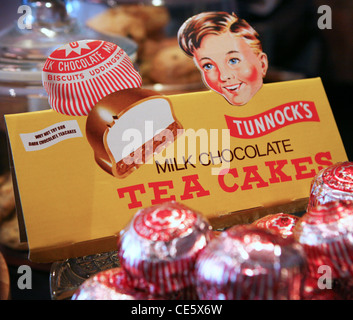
column 228, row 53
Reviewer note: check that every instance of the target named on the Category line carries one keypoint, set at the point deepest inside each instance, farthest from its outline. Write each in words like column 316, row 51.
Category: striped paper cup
column 326, row 234
column 158, row 248
column 79, row 74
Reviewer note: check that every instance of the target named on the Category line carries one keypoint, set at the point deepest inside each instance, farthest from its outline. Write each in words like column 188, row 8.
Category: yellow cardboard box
column 233, row 164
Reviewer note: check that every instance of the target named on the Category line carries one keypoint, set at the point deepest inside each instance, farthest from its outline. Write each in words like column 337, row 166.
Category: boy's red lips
column 233, row 88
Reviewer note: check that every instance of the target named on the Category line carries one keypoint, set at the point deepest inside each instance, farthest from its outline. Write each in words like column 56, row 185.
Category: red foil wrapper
column 313, row 290
column 326, row 234
column 331, row 184
column 344, row 287
column 249, row 263
column 159, row 247
column 112, row 284
column 279, row 223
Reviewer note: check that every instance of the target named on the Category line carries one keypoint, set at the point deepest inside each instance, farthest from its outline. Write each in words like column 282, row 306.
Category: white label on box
column 51, row 135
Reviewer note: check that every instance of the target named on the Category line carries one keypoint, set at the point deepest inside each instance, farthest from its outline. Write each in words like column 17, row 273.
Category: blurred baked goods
column 116, row 21
column 154, row 18
column 9, row 230
column 159, row 58
column 4, row 279
column 7, row 198
column 10, row 235
column 135, row 21
column 166, row 63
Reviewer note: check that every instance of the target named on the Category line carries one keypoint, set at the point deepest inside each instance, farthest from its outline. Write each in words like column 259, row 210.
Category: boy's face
column 230, row 67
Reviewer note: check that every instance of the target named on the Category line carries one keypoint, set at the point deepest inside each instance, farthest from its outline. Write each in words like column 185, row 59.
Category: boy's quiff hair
column 197, row 27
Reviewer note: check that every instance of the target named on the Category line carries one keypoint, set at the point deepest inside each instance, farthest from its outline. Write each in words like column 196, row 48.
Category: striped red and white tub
column 79, row 74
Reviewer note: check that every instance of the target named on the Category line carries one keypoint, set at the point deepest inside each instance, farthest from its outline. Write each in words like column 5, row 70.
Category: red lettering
column 132, row 193
column 221, row 178
column 301, row 168
column 228, row 180
column 319, row 159
column 251, row 175
column 272, row 120
column 193, row 185
column 277, row 175
column 159, row 191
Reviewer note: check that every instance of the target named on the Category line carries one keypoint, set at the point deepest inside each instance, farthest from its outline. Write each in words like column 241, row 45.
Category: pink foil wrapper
column 159, row 247
column 249, row 263
column 344, row 287
column 279, row 223
column 326, row 234
column 312, row 291
column 331, row 184
column 112, row 284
